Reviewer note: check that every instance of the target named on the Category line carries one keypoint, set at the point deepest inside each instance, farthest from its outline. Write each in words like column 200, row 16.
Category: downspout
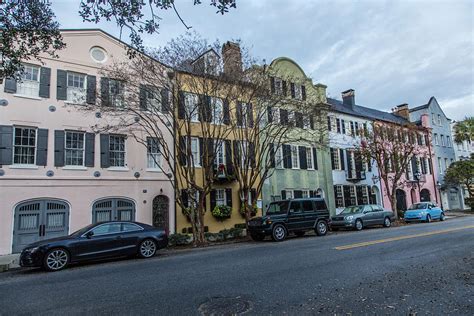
column 433, row 174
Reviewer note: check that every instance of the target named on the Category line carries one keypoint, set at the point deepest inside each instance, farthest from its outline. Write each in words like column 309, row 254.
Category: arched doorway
column 413, row 196
column 401, row 200
column 161, row 212
column 425, row 195
column 113, row 209
column 37, row 220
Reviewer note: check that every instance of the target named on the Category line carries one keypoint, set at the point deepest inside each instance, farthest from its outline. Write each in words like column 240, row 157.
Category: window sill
column 74, row 103
column 123, row 169
column 154, row 170
column 27, row 96
column 23, row 167
column 74, row 168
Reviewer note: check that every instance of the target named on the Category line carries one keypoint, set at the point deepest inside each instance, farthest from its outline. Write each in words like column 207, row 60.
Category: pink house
column 418, row 183
column 56, row 174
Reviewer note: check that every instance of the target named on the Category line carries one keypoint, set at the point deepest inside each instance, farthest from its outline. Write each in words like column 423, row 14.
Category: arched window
column 113, row 209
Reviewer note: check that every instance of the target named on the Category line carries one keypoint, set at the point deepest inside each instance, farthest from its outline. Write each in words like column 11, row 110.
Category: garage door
column 38, row 220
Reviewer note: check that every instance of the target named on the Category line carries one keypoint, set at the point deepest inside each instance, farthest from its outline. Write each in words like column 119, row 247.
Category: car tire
column 428, row 218
column 321, row 228
column 279, row 232
column 358, row 225
column 387, row 222
column 56, row 259
column 147, row 248
column 257, row 237
column 442, row 217
column 300, row 233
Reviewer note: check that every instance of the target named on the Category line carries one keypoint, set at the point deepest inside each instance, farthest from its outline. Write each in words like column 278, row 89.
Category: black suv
column 291, row 216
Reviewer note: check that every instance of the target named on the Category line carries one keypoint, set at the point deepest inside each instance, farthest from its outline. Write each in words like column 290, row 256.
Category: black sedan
column 97, row 241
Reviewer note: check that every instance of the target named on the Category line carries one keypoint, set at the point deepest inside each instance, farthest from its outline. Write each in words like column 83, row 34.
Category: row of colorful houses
column 58, row 173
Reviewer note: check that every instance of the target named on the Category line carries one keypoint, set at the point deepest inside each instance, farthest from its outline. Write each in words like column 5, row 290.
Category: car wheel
column 359, row 225
column 56, row 259
column 257, row 237
column 321, row 228
column 299, row 233
column 147, row 248
column 387, row 222
column 279, row 233
column 428, row 218
column 442, row 217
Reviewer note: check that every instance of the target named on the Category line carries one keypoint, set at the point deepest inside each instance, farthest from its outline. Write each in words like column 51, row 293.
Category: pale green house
column 302, row 163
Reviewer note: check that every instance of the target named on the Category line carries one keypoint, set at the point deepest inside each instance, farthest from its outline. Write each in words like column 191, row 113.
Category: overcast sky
column 390, row 52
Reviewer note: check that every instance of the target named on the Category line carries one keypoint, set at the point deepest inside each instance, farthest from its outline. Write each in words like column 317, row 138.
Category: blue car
column 423, row 211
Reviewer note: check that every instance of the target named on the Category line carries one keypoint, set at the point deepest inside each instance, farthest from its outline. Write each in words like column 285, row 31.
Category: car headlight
column 349, row 218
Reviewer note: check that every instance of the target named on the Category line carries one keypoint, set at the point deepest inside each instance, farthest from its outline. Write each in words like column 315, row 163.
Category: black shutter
column 58, row 148
column 343, row 125
column 302, row 154
column 238, row 114
column 184, row 197
column 352, row 128
column 414, row 167
column 143, row 97
column 42, row 147
column 207, row 109
column 284, row 87
column 287, row 156
column 338, row 125
column 252, row 153
column 283, row 117
column 311, row 122
column 200, row 160
column 182, row 151
column 6, row 145
column 315, row 159
column 237, row 154
column 430, row 166
column 165, row 100
column 253, row 195
column 299, row 119
column 226, row 109
column 249, row 115
column 293, row 92
column 329, row 123
column 181, row 106
column 228, row 197
column 298, row 194
column 90, row 150
column 213, row 199
column 91, row 87
column 45, row 82
column 61, row 85
column 311, row 193
column 272, row 84
column 271, row 151
column 341, row 158
column 369, row 164
column 269, row 114
column 228, row 157
column 211, row 152
column 104, row 151
column 333, row 163
column 104, row 92
column 283, row 194
column 10, row 85
column 303, row 92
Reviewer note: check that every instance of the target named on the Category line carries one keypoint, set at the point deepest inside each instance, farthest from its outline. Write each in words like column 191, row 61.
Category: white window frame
column 29, row 86
column 244, row 115
column 191, row 106
column 278, row 86
column 154, row 158
column 276, row 115
column 279, row 158
column 306, row 122
column 119, row 152
column 219, row 148
column 74, row 149
column 153, row 98
column 298, row 93
column 443, row 142
column 244, row 151
column 217, row 105
column 221, row 198
column 117, row 100
column 436, row 139
column 339, row 196
column 309, row 158
column 196, row 155
column 439, row 119
column 35, row 148
column 289, row 194
column 294, row 150
column 440, row 166
column 448, row 141
column 76, row 95
column 337, row 159
column 433, row 118
column 305, row 193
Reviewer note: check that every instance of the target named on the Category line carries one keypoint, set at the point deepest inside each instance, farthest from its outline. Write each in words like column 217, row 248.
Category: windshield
column 278, row 207
column 418, row 206
column 82, row 230
column 353, row 209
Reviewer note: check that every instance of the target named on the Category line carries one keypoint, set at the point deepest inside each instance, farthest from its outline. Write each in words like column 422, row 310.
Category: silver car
column 359, row 216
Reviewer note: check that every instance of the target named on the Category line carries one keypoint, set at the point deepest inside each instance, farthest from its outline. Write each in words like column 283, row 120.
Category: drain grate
column 225, row 306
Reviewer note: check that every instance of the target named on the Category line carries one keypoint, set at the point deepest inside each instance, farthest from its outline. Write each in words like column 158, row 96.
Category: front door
column 161, row 212
column 401, row 200
column 39, row 220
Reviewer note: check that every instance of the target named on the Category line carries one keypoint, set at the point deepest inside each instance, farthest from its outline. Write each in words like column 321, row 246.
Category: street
column 414, row 269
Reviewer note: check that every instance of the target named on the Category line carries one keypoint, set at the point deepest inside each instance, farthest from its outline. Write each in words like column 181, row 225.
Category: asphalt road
column 415, row 269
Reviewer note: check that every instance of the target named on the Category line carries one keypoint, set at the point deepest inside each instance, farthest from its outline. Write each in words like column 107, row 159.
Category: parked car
column 96, row 241
column 359, row 216
column 291, row 216
column 423, row 211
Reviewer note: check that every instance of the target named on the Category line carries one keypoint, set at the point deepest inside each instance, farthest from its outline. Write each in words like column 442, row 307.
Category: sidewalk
column 9, row 262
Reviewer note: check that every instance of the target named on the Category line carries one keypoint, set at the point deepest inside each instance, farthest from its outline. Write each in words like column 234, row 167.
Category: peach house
column 58, row 175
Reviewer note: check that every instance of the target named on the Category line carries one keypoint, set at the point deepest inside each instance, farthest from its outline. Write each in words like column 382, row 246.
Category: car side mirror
column 89, row 234
column 430, row 207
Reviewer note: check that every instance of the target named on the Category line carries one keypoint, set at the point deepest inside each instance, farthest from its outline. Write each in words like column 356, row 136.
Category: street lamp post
column 417, row 178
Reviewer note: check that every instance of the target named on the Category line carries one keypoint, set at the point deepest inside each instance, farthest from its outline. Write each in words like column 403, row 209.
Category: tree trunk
column 393, row 202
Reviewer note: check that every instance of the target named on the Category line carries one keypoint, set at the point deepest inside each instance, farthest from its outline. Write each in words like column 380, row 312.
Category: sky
column 389, row 52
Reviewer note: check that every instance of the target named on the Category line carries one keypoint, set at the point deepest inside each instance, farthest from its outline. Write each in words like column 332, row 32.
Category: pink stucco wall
column 78, row 187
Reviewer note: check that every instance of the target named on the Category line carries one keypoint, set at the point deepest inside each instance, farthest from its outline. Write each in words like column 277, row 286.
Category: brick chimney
column 232, row 58
column 348, row 98
column 402, row 111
